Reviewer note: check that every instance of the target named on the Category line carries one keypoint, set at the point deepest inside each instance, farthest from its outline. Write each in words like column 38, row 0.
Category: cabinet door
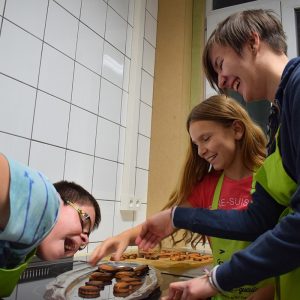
column 259, row 111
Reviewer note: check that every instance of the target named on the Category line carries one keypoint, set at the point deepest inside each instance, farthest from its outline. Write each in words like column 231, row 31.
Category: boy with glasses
column 37, row 217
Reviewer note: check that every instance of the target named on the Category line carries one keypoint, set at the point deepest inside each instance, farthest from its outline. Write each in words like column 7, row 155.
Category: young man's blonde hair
column 237, row 30
column 223, row 110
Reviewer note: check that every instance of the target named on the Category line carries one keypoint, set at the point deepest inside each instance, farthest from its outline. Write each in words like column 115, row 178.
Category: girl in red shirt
column 226, row 147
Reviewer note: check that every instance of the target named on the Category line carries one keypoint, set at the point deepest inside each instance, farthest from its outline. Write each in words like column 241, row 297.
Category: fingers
column 147, row 238
column 144, row 230
column 147, row 241
column 175, row 292
column 150, row 241
column 107, row 247
column 176, row 289
column 116, row 245
column 153, row 241
column 140, row 240
column 96, row 255
column 182, row 290
column 185, row 295
column 120, row 251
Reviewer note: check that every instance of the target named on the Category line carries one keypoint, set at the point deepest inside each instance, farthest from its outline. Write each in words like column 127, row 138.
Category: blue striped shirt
column 34, row 207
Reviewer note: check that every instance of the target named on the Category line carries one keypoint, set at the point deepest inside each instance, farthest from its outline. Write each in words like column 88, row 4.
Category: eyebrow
column 199, row 138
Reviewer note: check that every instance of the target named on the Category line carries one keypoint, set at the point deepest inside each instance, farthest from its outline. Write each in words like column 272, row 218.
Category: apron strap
column 217, row 192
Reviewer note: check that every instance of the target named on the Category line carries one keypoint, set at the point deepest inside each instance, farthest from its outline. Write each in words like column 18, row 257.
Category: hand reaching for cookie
column 116, row 245
column 155, row 229
column 194, row 289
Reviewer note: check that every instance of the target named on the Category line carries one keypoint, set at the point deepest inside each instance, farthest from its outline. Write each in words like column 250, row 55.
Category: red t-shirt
column 235, row 194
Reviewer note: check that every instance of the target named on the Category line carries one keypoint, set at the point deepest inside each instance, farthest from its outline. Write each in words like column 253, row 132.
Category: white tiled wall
column 65, row 70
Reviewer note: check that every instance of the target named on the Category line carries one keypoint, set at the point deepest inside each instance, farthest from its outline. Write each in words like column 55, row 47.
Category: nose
column 84, row 238
column 201, row 151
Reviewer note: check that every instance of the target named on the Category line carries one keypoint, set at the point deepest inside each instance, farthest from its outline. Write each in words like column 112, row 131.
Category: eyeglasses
column 85, row 221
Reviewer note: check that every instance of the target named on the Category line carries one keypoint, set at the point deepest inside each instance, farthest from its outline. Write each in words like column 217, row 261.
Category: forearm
column 232, row 224
column 259, row 260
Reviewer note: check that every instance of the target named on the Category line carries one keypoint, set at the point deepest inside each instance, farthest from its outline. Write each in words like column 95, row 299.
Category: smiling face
column 66, row 237
column 217, row 144
column 240, row 73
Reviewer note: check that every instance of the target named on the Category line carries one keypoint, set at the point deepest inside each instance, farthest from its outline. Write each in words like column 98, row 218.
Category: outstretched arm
column 116, row 245
column 246, row 225
column 261, row 215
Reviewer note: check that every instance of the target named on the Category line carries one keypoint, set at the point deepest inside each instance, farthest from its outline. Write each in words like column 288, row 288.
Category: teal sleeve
column 34, row 207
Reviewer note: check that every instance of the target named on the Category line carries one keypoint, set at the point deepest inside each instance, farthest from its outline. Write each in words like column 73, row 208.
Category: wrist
column 172, row 215
column 213, row 280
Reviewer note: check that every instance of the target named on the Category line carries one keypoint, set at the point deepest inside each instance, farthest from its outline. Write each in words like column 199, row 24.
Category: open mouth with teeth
column 211, row 158
column 70, row 246
column 235, row 85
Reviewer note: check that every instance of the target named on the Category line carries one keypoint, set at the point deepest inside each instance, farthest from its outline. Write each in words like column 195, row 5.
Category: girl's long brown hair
column 223, row 110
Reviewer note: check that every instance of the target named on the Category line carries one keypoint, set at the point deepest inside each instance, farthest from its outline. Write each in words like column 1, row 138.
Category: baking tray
column 185, row 267
column 66, row 285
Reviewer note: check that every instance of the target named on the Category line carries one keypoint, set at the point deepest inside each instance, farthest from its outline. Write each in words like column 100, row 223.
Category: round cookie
column 121, row 295
column 106, row 268
column 141, row 270
column 131, row 279
column 97, row 283
column 122, row 287
column 120, row 275
column 102, row 276
column 124, row 268
column 88, row 291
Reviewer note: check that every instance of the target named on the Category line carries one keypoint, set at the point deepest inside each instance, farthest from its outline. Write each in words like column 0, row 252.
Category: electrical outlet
column 130, row 203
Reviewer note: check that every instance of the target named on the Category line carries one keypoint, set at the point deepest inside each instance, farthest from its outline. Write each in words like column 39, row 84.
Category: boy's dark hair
column 77, row 194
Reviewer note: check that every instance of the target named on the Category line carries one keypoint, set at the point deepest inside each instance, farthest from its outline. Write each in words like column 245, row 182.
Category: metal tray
column 66, row 285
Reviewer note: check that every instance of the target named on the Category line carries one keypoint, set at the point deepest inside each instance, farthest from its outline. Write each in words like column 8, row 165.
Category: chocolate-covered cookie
column 102, row 276
column 88, row 291
column 124, row 268
column 131, row 279
column 98, row 283
column 120, row 275
column 141, row 270
column 107, row 268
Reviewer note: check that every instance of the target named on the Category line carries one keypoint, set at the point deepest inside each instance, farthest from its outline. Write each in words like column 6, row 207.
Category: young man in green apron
column 247, row 53
column 37, row 217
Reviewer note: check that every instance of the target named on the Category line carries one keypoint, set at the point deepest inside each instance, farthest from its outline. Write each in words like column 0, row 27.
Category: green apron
column 10, row 277
column 223, row 249
column 287, row 285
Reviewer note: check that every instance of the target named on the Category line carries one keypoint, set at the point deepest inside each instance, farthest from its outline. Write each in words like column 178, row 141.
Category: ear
column 238, row 129
column 254, row 43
